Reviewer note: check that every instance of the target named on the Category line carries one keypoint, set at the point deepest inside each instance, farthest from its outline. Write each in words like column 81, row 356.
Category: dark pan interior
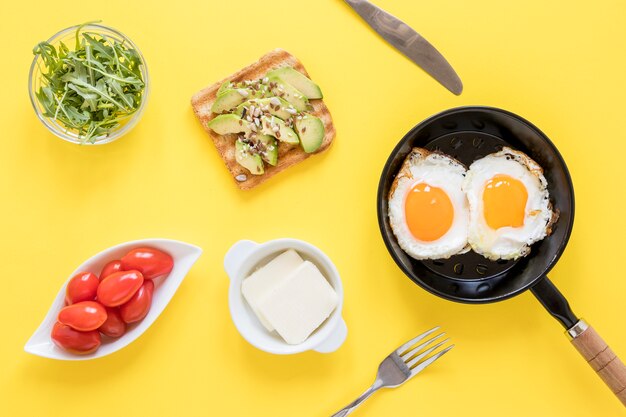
column 467, row 134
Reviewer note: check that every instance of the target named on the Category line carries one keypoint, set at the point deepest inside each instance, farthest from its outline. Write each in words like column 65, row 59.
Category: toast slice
column 288, row 155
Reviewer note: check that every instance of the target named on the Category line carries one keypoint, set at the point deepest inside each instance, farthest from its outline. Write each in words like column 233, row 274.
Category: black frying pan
column 467, row 134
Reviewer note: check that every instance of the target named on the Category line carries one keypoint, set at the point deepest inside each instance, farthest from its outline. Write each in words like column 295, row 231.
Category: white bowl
column 242, row 259
column 184, row 254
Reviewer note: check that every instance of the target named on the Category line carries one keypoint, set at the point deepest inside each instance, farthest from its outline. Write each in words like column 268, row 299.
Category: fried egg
column 428, row 211
column 509, row 204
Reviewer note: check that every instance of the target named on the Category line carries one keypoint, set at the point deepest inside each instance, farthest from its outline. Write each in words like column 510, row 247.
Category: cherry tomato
column 111, row 267
column 74, row 341
column 119, row 287
column 137, row 307
column 114, row 326
column 152, row 263
column 83, row 316
column 82, row 287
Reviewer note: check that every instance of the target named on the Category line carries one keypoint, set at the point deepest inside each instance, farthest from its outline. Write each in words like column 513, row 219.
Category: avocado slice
column 284, row 133
column 226, row 85
column 268, row 149
column 311, row 131
column 231, row 95
column 226, row 124
column 229, row 99
column 279, row 110
column 298, row 80
column 247, row 158
column 289, row 93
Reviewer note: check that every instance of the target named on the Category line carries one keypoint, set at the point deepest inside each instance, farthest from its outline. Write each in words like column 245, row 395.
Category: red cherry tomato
column 83, row 316
column 114, row 326
column 119, row 287
column 74, row 341
column 110, row 268
column 82, row 287
column 137, row 307
column 152, row 263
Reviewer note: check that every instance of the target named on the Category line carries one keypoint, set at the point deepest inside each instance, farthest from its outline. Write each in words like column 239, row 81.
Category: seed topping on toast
column 236, row 122
column 270, row 106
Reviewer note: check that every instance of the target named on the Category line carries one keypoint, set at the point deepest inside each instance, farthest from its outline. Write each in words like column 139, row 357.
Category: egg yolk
column 429, row 212
column 504, row 202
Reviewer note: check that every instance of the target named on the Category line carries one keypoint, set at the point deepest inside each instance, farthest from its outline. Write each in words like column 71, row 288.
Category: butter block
column 257, row 286
column 299, row 304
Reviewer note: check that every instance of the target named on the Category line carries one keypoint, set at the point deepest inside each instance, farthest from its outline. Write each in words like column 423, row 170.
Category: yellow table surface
column 559, row 64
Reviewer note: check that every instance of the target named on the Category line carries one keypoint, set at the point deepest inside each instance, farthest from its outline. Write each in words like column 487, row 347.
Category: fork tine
column 430, row 360
column 411, row 342
column 408, row 355
column 424, row 354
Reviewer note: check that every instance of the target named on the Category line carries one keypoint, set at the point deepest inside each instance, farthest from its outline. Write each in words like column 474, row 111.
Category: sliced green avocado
column 284, row 133
column 226, row 124
column 311, row 131
column 298, row 80
column 268, row 149
column 248, row 159
column 232, row 95
column 268, row 103
column 226, row 85
column 288, row 92
column 229, row 99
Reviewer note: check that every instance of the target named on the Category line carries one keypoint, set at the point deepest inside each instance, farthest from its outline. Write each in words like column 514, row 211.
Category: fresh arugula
column 93, row 88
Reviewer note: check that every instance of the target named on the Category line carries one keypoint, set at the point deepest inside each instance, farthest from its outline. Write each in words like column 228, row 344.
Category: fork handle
column 353, row 405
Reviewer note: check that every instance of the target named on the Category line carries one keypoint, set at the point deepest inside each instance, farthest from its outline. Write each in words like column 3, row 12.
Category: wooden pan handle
column 600, row 357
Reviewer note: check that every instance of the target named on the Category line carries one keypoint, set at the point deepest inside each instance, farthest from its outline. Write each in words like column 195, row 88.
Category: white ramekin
column 243, row 258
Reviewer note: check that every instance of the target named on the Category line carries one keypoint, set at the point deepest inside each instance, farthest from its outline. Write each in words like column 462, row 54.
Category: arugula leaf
column 93, row 88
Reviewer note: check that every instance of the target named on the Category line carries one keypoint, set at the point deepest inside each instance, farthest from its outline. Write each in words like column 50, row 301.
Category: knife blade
column 402, row 37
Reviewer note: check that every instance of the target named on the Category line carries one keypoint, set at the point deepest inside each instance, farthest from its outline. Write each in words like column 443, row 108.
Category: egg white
column 508, row 242
column 436, row 170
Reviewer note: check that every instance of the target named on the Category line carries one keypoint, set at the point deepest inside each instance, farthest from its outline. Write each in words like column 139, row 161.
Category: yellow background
column 559, row 64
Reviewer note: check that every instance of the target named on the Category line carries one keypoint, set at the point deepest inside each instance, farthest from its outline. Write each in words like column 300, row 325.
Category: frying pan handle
column 584, row 338
column 600, row 357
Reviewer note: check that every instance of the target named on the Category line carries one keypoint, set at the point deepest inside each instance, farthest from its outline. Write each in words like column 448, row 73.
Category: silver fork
column 401, row 365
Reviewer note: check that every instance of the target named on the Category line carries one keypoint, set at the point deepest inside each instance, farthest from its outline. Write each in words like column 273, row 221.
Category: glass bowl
column 67, row 36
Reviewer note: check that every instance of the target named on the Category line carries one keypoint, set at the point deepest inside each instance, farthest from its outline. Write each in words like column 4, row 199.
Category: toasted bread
column 288, row 155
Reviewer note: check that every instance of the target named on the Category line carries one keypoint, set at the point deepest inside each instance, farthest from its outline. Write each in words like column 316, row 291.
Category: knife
column 410, row 43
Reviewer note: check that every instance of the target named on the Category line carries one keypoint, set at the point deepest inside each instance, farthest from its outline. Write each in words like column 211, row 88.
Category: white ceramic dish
column 184, row 254
column 243, row 258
